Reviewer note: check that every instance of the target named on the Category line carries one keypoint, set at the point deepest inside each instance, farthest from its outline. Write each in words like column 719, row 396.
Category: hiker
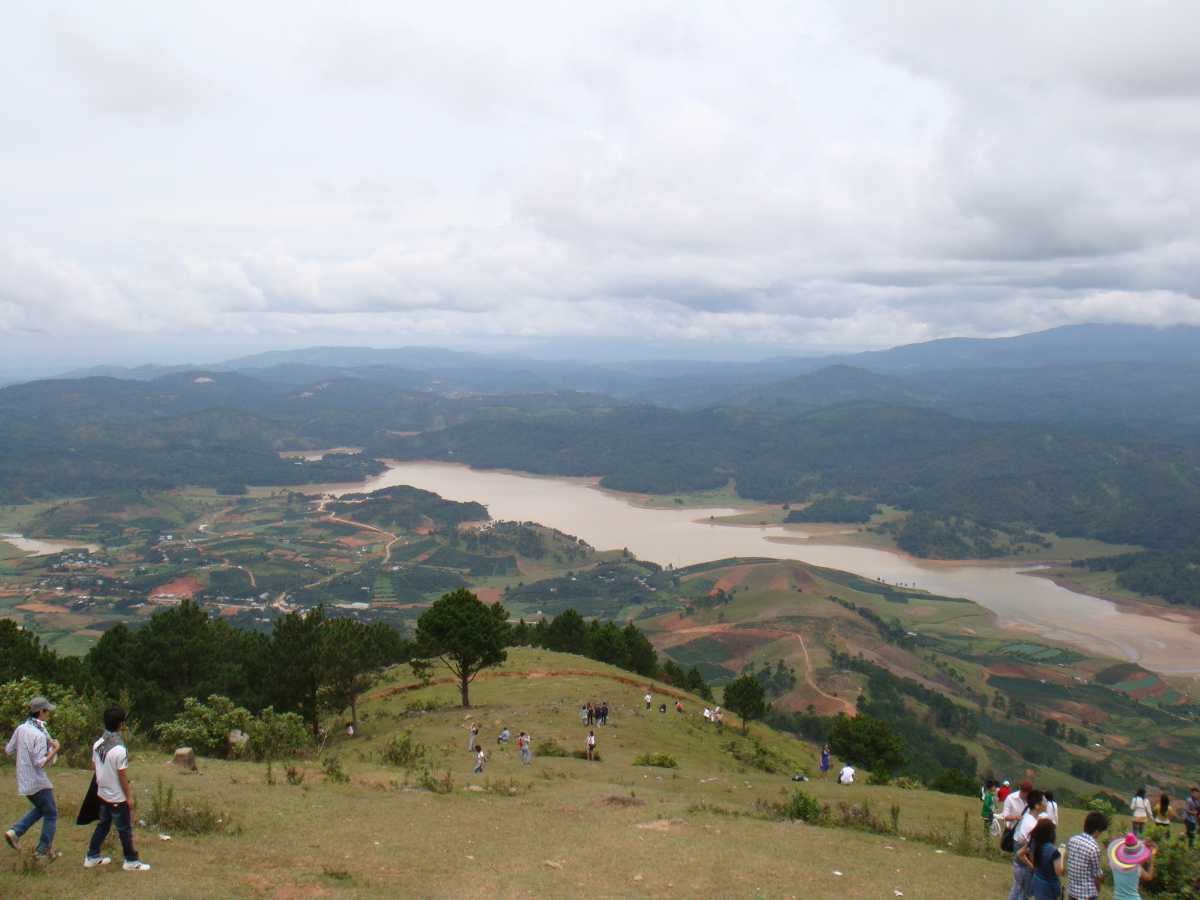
column 1084, row 875
column 678, row 706
column 1132, row 862
column 1044, row 860
column 1014, row 805
column 472, row 738
column 846, row 776
column 523, row 745
column 110, row 760
column 350, row 730
column 1051, row 808
column 1162, row 812
column 988, row 810
column 504, row 736
column 1003, row 792
column 583, row 714
column 826, row 756
column 717, row 716
column 648, row 700
column 1139, row 806
column 1191, row 814
column 35, row 750
column 662, row 707
column 1022, row 875
column 707, row 714
column 604, row 713
column 480, row 759
column 591, row 715
column 591, row 744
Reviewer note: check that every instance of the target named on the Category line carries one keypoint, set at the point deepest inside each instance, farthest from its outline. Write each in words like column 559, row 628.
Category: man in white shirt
column 35, row 750
column 846, row 776
column 1035, row 803
column 649, row 699
column 1015, row 803
column 110, row 759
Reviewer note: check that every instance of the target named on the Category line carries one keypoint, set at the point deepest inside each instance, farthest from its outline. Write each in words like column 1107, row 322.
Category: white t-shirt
column 591, row 741
column 846, row 776
column 647, row 698
column 1140, row 806
column 1051, row 812
column 1028, row 822
column 108, row 783
column 1014, row 805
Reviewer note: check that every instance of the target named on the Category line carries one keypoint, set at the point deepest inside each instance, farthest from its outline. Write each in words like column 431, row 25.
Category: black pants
column 110, row 812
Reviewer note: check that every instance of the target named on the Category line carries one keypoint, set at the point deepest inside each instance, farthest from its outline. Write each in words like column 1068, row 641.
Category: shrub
column 879, row 778
column 802, row 807
column 954, row 781
column 1102, row 804
column 195, row 816
column 758, row 757
column 331, row 766
column 443, row 785
column 660, row 760
column 295, row 776
column 1176, row 870
column 403, row 751
column 861, row 818
column 204, row 726
column 276, row 736
column 550, row 747
column 75, row 723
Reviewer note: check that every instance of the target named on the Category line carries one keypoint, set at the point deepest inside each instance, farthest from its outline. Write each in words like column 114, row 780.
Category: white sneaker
column 12, row 840
column 90, row 862
column 136, row 866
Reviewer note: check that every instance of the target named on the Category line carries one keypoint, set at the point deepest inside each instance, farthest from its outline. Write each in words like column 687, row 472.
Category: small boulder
column 185, row 758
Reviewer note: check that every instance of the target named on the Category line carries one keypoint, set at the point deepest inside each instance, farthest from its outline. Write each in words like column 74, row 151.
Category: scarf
column 109, row 740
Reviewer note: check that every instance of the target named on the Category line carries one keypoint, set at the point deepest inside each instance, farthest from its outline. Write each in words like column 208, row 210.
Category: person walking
column 110, row 760
column 35, row 751
column 473, row 738
column 1051, row 808
column 1139, row 807
column 480, row 759
column 583, row 714
column 591, row 745
column 1084, row 874
column 1162, row 813
column 1045, row 860
column 1132, row 862
column 523, row 746
column 1013, row 808
column 649, row 699
column 826, row 759
column 604, row 713
column 1191, row 814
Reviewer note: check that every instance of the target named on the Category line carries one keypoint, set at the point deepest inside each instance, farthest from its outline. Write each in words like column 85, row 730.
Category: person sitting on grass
column 846, row 776
column 35, row 751
column 110, row 760
column 504, row 736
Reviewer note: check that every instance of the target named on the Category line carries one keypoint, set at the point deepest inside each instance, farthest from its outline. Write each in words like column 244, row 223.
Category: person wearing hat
column 35, row 750
column 1132, row 862
column 1004, row 791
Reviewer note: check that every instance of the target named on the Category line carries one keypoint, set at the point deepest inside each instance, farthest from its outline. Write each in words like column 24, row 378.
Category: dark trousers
column 110, row 813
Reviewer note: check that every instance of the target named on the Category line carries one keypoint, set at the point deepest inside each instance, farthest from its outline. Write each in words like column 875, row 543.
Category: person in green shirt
column 989, row 806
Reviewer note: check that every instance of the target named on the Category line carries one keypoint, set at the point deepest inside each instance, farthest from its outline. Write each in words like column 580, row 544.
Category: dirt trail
column 630, row 680
column 851, row 709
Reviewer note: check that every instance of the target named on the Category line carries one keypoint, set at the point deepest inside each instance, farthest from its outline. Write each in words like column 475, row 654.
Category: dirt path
column 851, row 709
column 387, row 550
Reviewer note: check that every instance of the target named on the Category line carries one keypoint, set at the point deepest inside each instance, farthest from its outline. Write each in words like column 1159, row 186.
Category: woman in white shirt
column 1051, row 812
column 1139, row 806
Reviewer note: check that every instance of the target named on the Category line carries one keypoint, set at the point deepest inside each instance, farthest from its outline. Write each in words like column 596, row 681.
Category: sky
column 187, row 181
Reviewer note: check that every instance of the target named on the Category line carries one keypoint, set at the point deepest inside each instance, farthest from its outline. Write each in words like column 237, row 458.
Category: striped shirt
column 30, row 744
column 1083, row 867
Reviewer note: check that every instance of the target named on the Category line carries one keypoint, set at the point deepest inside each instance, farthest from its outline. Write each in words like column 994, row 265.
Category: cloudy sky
column 187, row 180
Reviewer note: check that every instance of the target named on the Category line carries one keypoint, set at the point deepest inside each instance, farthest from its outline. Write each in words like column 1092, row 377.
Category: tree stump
column 185, row 758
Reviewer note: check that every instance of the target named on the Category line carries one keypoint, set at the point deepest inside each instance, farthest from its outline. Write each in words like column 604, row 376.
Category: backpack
column 1008, row 842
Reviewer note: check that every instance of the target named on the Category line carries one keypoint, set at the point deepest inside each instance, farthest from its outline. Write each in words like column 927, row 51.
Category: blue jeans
column 1022, row 889
column 109, row 813
column 44, row 808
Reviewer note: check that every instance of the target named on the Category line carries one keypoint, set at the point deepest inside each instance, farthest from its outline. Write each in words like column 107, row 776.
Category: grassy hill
column 560, row 827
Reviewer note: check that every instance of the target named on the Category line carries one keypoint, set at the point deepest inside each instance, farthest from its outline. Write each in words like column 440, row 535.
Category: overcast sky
column 191, row 180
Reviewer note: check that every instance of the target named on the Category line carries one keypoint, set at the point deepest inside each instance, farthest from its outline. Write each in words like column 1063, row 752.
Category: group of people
column 109, row 800
column 714, row 715
column 524, row 745
column 1028, row 820
column 1162, row 813
column 594, row 714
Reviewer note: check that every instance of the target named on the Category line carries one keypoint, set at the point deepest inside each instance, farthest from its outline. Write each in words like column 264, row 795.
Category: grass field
column 558, row 828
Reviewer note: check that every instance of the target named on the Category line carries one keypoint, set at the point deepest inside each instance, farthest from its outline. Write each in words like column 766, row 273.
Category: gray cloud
column 801, row 175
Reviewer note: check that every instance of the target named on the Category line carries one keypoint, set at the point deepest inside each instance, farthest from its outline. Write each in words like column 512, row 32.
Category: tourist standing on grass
column 1132, row 862
column 649, row 699
column 826, row 759
column 1084, row 874
column 35, row 750
column 591, row 744
column 1022, row 874
column 1139, row 807
column 604, row 713
column 1014, row 805
column 1003, row 792
column 583, row 714
column 988, row 809
column 480, row 759
column 523, row 746
column 473, row 738
column 1051, row 808
column 1162, row 812
column 1045, row 860
column 110, row 760
column 1191, row 814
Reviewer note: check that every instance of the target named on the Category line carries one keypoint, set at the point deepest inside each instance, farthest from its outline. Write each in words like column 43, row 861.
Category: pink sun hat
column 1128, row 852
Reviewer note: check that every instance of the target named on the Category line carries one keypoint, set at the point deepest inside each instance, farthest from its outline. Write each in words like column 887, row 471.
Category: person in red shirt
column 1005, row 790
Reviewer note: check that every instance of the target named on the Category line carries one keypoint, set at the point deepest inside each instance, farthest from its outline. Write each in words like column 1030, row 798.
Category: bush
column 660, row 760
column 443, row 785
column 802, row 807
column 276, row 736
column 75, row 723
column 551, row 747
column 1176, row 871
column 1100, row 803
column 331, row 765
column 196, row 816
column 954, row 781
column 403, row 751
column 204, row 726
column 758, row 757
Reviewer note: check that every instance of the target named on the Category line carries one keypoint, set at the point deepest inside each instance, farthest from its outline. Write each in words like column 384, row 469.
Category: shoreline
column 1142, row 606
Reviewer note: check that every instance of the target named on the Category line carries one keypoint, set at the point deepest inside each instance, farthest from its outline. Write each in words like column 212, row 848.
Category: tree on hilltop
column 868, row 742
column 466, row 634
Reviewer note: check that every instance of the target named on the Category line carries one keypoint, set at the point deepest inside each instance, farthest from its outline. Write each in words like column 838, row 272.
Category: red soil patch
column 180, row 587
column 731, row 578
column 357, row 542
column 1007, row 671
column 489, row 594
